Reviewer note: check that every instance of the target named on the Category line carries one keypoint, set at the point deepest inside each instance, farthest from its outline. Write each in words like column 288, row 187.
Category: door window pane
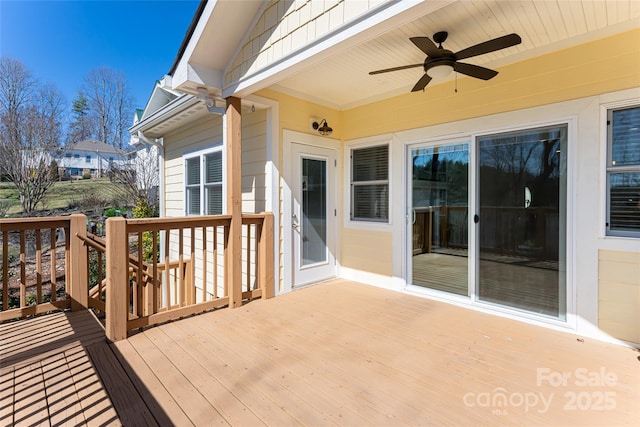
column 314, row 211
column 440, row 217
column 522, row 228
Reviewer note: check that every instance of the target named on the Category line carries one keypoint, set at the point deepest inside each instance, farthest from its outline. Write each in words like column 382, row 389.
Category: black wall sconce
column 323, row 129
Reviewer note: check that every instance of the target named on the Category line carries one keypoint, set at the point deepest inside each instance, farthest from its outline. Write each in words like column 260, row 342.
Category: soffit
column 342, row 81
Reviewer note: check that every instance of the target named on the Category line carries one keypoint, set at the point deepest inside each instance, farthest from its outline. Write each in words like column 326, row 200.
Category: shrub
column 144, row 210
column 110, row 212
column 86, row 176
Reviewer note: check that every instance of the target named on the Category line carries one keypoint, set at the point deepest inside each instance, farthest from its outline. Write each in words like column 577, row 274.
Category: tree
column 139, row 179
column 80, row 128
column 109, row 105
column 30, row 131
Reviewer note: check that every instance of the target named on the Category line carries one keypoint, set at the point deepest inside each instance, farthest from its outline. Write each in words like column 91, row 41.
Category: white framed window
column 203, row 174
column 623, row 172
column 369, row 186
column 88, row 159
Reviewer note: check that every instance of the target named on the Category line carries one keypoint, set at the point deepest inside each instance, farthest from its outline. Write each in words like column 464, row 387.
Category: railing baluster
column 181, row 266
column 67, row 257
column 204, row 263
column 38, row 267
column 248, row 257
column 192, row 269
column 100, row 276
column 225, row 255
column 215, row 262
column 5, row 270
column 154, row 271
column 139, row 306
column 167, row 273
column 23, row 270
column 53, row 264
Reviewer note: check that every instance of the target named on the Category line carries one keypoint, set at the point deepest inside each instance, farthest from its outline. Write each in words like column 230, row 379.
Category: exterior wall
column 560, row 76
column 619, row 294
column 572, row 86
column 207, row 133
column 94, row 165
column 287, row 25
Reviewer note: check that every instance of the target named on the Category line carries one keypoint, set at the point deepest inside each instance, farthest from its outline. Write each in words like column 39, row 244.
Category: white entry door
column 313, row 218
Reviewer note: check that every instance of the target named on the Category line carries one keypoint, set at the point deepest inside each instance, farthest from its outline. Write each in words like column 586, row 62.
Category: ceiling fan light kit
column 440, row 62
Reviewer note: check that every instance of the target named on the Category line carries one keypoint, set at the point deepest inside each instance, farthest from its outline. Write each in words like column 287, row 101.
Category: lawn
column 63, row 194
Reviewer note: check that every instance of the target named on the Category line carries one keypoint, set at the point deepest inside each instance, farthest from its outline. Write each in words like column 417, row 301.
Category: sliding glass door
column 440, row 209
column 514, row 213
column 522, row 220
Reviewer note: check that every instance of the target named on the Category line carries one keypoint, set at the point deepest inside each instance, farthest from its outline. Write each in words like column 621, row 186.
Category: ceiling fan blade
column 422, row 83
column 426, row 45
column 387, row 70
column 474, row 71
column 489, row 46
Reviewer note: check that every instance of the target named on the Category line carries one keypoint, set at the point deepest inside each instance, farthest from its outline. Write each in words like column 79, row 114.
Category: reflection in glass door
column 314, row 211
column 522, row 220
column 440, row 208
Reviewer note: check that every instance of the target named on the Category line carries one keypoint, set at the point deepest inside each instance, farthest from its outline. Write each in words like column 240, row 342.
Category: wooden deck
column 342, row 353
column 46, row 374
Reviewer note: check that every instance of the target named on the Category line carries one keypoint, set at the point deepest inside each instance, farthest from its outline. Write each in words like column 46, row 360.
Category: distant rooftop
column 94, row 145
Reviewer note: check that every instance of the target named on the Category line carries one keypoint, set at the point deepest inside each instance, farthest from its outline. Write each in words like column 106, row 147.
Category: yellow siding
column 619, row 294
column 286, row 26
column 367, row 250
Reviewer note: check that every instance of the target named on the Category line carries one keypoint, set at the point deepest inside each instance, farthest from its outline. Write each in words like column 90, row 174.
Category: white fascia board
column 182, row 69
column 372, row 24
column 190, row 76
column 171, row 109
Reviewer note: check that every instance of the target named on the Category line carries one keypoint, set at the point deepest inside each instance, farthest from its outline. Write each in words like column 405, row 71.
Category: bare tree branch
column 30, row 131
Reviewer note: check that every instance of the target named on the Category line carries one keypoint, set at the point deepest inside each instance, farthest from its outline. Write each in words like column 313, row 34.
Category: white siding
column 287, row 26
column 200, row 135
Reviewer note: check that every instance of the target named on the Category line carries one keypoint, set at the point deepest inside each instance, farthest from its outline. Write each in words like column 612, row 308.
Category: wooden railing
column 49, row 271
column 159, row 269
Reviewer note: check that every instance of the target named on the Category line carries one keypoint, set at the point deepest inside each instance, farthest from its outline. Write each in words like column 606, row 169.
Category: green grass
column 62, row 194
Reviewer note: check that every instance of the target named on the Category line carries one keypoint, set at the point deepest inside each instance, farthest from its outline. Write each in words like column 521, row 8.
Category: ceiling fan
column 440, row 62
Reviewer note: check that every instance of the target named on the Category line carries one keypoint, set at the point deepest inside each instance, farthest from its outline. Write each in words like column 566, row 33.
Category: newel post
column 117, row 255
column 78, row 284
column 265, row 257
column 233, row 150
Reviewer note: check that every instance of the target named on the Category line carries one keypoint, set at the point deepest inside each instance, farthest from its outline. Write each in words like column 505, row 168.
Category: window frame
column 352, row 184
column 610, row 169
column 202, row 185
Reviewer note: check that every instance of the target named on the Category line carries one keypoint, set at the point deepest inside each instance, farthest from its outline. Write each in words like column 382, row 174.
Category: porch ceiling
column 342, row 81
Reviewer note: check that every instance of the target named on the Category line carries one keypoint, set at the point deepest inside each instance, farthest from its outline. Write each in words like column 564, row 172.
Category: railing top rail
column 165, row 223
column 31, row 223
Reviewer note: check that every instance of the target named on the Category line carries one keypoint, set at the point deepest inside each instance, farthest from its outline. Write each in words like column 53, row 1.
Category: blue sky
column 61, row 41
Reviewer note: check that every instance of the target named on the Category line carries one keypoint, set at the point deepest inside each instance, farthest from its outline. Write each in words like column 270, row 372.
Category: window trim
column 201, row 155
column 350, row 222
column 610, row 169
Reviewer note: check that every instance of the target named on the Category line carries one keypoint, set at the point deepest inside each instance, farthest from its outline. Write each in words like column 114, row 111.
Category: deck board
column 342, row 353
column 337, row 353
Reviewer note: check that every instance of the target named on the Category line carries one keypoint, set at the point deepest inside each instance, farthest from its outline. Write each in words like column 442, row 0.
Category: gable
column 286, row 26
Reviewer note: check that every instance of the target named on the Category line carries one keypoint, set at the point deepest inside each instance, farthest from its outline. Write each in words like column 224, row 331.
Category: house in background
column 89, row 157
column 516, row 194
